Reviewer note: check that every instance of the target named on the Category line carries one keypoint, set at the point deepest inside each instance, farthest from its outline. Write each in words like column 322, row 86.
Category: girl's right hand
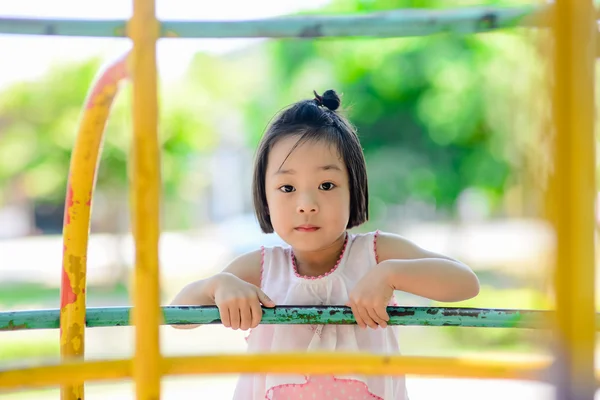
column 239, row 302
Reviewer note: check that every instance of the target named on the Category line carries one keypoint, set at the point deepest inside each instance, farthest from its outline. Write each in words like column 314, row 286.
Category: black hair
column 314, row 119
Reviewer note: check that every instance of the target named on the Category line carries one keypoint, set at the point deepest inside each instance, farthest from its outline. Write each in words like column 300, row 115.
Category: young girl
column 310, row 186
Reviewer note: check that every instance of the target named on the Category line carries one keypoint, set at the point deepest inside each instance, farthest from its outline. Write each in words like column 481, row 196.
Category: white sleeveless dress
column 282, row 283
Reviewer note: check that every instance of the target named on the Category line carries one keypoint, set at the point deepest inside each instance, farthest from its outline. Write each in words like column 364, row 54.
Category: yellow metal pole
column 287, row 363
column 76, row 225
column 145, row 198
column 575, row 186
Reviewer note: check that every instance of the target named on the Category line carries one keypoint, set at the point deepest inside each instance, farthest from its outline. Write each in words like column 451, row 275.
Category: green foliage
column 13, row 351
column 40, row 120
column 435, row 115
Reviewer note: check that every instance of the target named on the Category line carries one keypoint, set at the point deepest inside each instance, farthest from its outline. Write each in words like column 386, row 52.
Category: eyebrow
column 328, row 167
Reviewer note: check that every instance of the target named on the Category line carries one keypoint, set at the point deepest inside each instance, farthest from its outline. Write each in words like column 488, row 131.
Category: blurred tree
column 437, row 115
column 39, row 122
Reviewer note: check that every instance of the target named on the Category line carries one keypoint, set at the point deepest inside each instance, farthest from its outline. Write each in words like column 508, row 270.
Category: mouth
column 306, row 228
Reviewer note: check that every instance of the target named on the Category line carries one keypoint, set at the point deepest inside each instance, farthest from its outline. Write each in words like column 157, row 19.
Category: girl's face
column 308, row 195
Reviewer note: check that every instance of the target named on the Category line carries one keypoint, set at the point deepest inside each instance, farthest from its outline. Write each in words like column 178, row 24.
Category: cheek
column 340, row 205
column 277, row 207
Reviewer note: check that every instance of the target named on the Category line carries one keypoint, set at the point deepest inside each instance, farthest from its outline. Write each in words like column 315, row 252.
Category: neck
column 319, row 262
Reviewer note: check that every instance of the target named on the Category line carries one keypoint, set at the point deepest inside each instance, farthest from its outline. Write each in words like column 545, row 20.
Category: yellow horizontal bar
column 336, row 363
column 65, row 373
column 72, row 372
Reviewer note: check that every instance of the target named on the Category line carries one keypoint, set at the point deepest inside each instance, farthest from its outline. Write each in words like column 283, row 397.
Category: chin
column 309, row 241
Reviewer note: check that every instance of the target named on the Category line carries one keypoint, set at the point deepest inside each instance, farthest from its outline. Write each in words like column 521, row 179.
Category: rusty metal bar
column 574, row 33
column 76, row 225
column 395, row 23
column 301, row 315
column 145, row 192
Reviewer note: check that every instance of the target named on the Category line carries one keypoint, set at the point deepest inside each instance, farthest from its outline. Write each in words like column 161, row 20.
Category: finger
column 367, row 318
column 382, row 314
column 224, row 312
column 257, row 314
column 264, row 299
column 373, row 314
column 357, row 317
column 234, row 317
column 245, row 317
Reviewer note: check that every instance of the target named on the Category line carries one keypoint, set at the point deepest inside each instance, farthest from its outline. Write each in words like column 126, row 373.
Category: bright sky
column 25, row 57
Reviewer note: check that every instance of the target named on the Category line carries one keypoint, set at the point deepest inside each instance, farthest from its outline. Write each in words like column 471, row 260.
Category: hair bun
column 329, row 99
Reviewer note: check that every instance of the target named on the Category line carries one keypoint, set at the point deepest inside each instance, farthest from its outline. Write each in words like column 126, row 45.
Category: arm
column 404, row 266
column 246, row 267
column 414, row 270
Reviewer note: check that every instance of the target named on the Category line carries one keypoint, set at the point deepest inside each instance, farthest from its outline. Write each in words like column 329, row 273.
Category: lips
column 306, row 228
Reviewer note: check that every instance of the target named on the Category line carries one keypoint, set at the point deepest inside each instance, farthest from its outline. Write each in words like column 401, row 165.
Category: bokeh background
column 454, row 129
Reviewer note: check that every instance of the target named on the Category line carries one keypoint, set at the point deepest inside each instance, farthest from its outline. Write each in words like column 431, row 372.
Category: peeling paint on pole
column 76, row 224
column 296, row 315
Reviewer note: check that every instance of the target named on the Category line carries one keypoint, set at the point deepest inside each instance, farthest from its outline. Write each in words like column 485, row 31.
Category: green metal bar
column 62, row 27
column 397, row 23
column 407, row 316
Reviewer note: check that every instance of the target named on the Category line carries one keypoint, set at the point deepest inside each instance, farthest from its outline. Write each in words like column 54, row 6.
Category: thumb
column 264, row 299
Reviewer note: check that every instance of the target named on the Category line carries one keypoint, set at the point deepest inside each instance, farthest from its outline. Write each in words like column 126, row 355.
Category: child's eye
column 287, row 188
column 326, row 186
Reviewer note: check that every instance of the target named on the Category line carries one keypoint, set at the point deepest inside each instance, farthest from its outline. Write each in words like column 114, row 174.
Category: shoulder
column 390, row 246
column 247, row 266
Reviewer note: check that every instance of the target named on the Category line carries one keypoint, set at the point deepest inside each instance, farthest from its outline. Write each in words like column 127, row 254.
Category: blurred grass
column 18, row 349
column 34, row 295
column 13, row 295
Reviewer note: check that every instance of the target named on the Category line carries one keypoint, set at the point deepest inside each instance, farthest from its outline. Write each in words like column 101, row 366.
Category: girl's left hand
column 370, row 297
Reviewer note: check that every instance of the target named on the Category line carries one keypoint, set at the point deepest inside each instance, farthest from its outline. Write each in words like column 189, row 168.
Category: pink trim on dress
column 324, row 387
column 262, row 263
column 393, row 301
column 375, row 245
column 337, row 264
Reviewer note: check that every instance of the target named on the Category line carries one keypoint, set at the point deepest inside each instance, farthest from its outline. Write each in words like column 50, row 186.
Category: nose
column 307, row 205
